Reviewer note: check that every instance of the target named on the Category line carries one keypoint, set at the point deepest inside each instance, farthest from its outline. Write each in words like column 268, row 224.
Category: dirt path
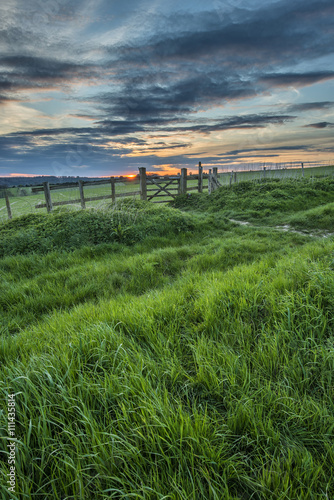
column 285, row 228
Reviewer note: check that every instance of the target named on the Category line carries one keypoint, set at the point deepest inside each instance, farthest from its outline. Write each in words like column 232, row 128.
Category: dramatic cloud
column 320, row 125
column 297, row 79
column 142, row 80
column 310, row 106
column 246, row 152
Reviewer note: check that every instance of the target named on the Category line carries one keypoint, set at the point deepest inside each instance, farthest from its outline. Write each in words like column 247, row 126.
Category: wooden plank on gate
column 169, row 189
column 163, row 195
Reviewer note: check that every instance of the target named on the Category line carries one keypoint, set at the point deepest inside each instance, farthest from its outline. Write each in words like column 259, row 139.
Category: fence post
column 81, row 191
column 200, row 178
column 47, row 195
column 113, row 192
column 264, row 172
column 215, row 178
column 9, row 210
column 142, row 182
column 231, row 178
column 235, row 177
column 210, row 181
column 302, row 169
column 183, row 181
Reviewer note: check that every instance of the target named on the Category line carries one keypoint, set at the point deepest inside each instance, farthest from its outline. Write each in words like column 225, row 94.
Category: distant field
column 284, row 173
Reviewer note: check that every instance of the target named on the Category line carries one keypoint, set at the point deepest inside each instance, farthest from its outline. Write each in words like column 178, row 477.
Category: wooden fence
column 149, row 188
column 49, row 204
column 156, row 189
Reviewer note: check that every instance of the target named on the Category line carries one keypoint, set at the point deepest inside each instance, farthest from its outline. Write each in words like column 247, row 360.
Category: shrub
column 128, row 224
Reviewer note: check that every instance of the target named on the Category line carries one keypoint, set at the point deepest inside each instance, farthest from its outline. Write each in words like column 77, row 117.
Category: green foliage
column 264, row 201
column 129, row 223
column 34, row 285
column 316, row 218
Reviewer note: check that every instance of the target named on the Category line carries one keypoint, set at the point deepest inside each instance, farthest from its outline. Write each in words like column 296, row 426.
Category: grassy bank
column 301, row 202
column 168, row 354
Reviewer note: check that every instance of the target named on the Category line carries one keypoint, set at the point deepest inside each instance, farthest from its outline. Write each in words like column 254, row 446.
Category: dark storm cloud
column 158, row 147
column 246, row 152
column 8, row 142
column 320, row 125
column 233, row 57
column 24, row 72
column 209, row 60
column 310, row 106
column 55, row 132
column 281, row 30
column 296, row 79
column 239, row 122
column 113, row 128
column 156, row 104
column 40, row 67
column 6, row 99
column 157, row 80
column 5, row 84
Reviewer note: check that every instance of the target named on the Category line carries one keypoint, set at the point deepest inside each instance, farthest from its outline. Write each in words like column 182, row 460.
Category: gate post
column 210, row 181
column 183, row 181
column 215, row 178
column 142, row 182
column 200, row 177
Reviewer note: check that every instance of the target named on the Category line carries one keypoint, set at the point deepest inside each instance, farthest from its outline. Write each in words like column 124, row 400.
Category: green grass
column 279, row 174
column 270, row 201
column 168, row 354
column 317, row 218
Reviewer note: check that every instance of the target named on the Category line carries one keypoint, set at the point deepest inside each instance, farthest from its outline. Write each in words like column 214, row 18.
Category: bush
column 128, row 224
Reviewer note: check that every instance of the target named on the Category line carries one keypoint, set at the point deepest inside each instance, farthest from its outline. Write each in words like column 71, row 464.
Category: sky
column 103, row 87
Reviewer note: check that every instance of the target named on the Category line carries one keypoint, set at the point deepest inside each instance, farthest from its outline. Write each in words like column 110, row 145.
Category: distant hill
column 36, row 181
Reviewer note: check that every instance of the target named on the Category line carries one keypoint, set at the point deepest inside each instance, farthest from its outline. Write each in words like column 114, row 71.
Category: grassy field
column 284, row 173
column 168, row 353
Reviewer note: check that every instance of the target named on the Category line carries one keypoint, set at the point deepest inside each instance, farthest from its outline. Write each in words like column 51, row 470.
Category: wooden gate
column 173, row 185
